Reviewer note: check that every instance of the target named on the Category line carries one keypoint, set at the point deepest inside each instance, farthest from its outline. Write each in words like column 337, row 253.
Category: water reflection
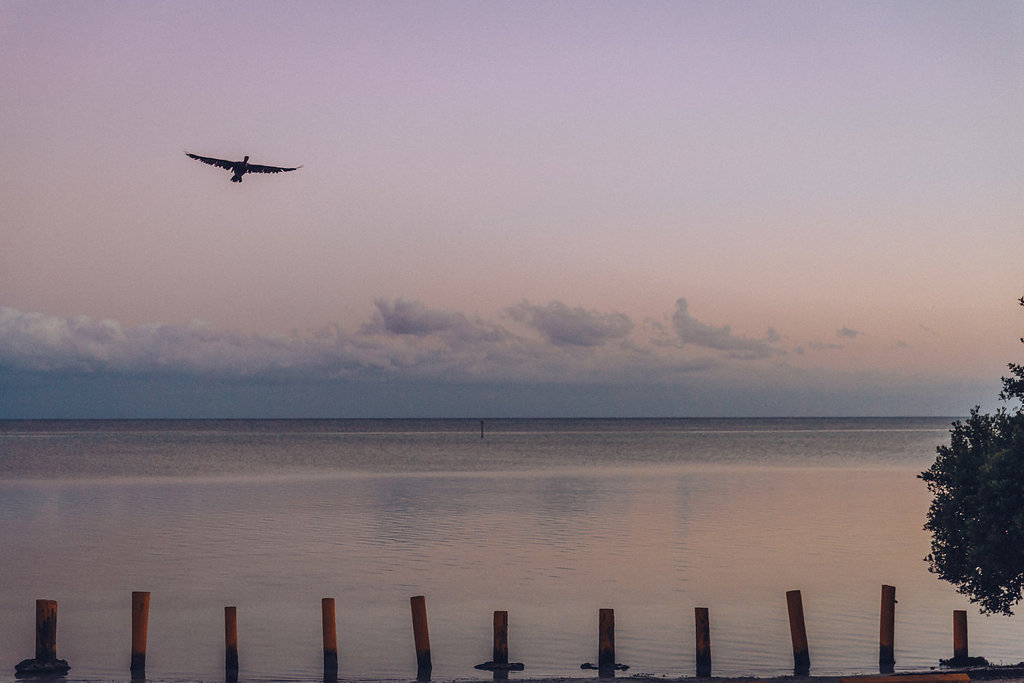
column 552, row 545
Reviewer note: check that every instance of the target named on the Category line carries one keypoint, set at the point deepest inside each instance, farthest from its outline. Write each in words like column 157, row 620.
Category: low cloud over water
column 410, row 359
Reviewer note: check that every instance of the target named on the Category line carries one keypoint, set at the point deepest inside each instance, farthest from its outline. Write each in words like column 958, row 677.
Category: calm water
column 548, row 519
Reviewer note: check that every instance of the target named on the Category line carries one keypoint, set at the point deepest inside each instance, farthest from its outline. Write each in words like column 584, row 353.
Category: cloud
column 847, row 333
column 39, row 342
column 692, row 331
column 822, row 346
column 410, row 360
column 405, row 341
column 565, row 326
column 413, row 318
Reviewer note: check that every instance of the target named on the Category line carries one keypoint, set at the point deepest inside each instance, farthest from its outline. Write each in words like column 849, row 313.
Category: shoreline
column 1004, row 674
column 993, row 673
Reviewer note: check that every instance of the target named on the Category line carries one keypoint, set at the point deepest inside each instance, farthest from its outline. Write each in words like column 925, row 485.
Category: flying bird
column 240, row 168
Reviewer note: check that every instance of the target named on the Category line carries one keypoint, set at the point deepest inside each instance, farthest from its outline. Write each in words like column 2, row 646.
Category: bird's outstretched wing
column 259, row 168
column 222, row 163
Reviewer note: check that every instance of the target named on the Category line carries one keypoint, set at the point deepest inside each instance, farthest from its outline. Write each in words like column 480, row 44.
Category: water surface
column 548, row 519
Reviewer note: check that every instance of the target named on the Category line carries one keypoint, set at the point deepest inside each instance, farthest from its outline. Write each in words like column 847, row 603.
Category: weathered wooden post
column 606, row 665
column 959, row 636
column 421, row 637
column 798, row 632
column 703, row 631
column 606, row 642
column 887, row 631
column 499, row 663
column 231, row 644
column 140, row 630
column 46, row 630
column 45, row 663
column 500, row 652
column 330, row 639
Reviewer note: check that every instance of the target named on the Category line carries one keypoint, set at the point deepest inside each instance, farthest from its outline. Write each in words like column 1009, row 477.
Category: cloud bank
column 564, row 326
column 412, row 360
column 692, row 331
column 404, row 339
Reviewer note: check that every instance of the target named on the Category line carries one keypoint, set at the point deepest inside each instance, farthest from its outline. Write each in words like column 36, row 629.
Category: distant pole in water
column 330, row 640
column 801, row 657
column 887, row 630
column 481, row 429
column 421, row 637
column 140, row 629
column 231, row 644
column 703, row 630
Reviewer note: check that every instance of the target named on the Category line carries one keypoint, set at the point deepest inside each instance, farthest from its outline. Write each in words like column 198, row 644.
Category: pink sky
column 518, row 193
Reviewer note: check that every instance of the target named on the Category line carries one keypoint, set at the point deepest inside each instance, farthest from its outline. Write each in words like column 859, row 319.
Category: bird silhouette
column 240, row 168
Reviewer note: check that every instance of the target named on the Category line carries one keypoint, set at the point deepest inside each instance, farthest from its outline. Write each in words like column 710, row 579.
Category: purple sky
column 521, row 208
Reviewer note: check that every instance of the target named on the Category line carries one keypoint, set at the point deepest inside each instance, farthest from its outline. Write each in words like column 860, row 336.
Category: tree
column 977, row 512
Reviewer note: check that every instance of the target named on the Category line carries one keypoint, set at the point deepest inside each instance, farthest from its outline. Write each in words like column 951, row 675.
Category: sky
column 566, row 208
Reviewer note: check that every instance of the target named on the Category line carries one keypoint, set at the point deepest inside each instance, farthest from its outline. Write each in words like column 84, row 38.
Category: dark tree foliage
column 977, row 513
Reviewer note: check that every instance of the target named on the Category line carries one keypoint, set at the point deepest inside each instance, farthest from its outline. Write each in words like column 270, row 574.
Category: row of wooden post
column 46, row 638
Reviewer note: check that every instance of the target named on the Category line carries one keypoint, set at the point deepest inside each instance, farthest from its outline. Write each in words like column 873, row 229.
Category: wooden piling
column 140, row 630
column 421, row 636
column 959, row 635
column 801, row 656
column 330, row 639
column 703, row 632
column 606, row 641
column 500, row 652
column 887, row 630
column 46, row 631
column 231, row 643
column 499, row 663
column 45, row 663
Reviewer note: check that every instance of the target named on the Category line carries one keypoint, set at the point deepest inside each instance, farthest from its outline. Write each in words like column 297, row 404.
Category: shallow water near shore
column 548, row 519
